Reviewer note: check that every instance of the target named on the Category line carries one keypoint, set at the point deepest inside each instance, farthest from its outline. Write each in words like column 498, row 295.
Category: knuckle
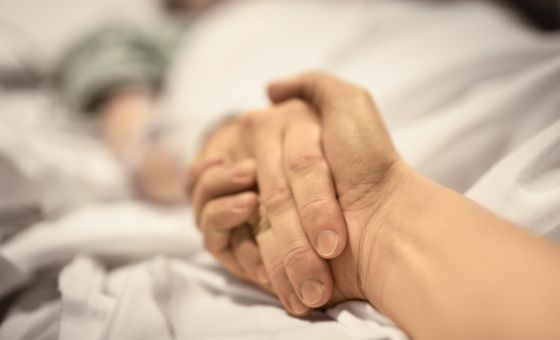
column 205, row 182
column 295, row 105
column 314, row 209
column 209, row 215
column 213, row 215
column 202, row 186
column 278, row 199
column 250, row 119
column 276, row 269
column 295, row 255
column 255, row 119
column 312, row 75
column 362, row 94
column 211, row 246
column 304, row 161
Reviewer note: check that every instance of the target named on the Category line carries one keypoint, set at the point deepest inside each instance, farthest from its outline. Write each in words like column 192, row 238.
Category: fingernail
column 296, row 305
column 261, row 274
column 327, row 242
column 311, row 291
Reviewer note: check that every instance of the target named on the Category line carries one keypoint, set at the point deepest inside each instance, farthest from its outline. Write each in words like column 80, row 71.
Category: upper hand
column 365, row 166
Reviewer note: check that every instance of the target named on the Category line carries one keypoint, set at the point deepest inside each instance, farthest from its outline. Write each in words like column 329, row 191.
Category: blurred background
column 77, row 72
column 106, row 99
column 40, row 30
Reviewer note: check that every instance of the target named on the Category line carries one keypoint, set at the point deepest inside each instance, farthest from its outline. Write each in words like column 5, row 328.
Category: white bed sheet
column 180, row 292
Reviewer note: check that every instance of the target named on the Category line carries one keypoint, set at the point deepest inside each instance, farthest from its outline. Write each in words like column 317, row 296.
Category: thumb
column 339, row 104
column 353, row 132
column 316, row 88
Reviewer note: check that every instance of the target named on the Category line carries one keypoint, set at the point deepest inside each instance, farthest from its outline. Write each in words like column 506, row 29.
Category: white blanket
column 471, row 97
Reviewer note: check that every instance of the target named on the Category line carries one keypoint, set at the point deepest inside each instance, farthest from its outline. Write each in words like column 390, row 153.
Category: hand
column 365, row 167
column 436, row 263
column 222, row 184
column 297, row 137
column 294, row 181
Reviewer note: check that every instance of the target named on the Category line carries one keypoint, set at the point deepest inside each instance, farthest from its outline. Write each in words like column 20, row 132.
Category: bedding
column 40, row 31
column 468, row 91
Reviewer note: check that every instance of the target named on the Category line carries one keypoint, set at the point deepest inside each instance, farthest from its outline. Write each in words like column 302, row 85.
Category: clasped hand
column 289, row 197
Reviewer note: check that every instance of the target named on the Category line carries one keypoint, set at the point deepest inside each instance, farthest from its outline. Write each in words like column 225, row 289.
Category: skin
column 438, row 264
column 156, row 173
column 292, row 261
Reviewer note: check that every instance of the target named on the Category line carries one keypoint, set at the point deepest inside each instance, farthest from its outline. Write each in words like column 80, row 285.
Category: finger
column 218, row 219
column 223, row 214
column 317, row 88
column 247, row 254
column 308, row 273
column 345, row 109
column 223, row 180
column 311, row 184
column 273, row 263
column 197, row 168
column 349, row 121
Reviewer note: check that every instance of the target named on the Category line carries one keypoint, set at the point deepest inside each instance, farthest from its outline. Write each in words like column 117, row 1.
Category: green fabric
column 113, row 56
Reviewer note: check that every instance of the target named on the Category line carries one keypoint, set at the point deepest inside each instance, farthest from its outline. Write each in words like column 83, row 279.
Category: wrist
column 402, row 197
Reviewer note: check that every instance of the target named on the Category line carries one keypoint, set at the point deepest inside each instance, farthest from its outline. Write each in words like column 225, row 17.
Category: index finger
column 311, row 183
column 197, row 168
column 308, row 274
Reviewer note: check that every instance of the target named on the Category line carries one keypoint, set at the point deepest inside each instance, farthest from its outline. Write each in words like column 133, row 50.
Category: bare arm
column 441, row 266
column 449, row 269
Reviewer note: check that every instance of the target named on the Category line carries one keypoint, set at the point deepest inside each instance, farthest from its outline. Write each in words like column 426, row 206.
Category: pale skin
column 156, row 172
column 438, row 264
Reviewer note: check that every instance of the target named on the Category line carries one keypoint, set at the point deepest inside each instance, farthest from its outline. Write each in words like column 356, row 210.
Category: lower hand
column 294, row 181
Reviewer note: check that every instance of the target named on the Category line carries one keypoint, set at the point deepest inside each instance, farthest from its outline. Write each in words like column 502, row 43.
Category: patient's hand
column 222, row 190
column 296, row 192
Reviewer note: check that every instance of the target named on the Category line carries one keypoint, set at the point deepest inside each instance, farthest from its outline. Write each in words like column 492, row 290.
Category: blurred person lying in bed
column 116, row 74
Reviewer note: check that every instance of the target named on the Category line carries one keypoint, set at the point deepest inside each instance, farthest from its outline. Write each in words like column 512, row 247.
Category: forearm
column 446, row 268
